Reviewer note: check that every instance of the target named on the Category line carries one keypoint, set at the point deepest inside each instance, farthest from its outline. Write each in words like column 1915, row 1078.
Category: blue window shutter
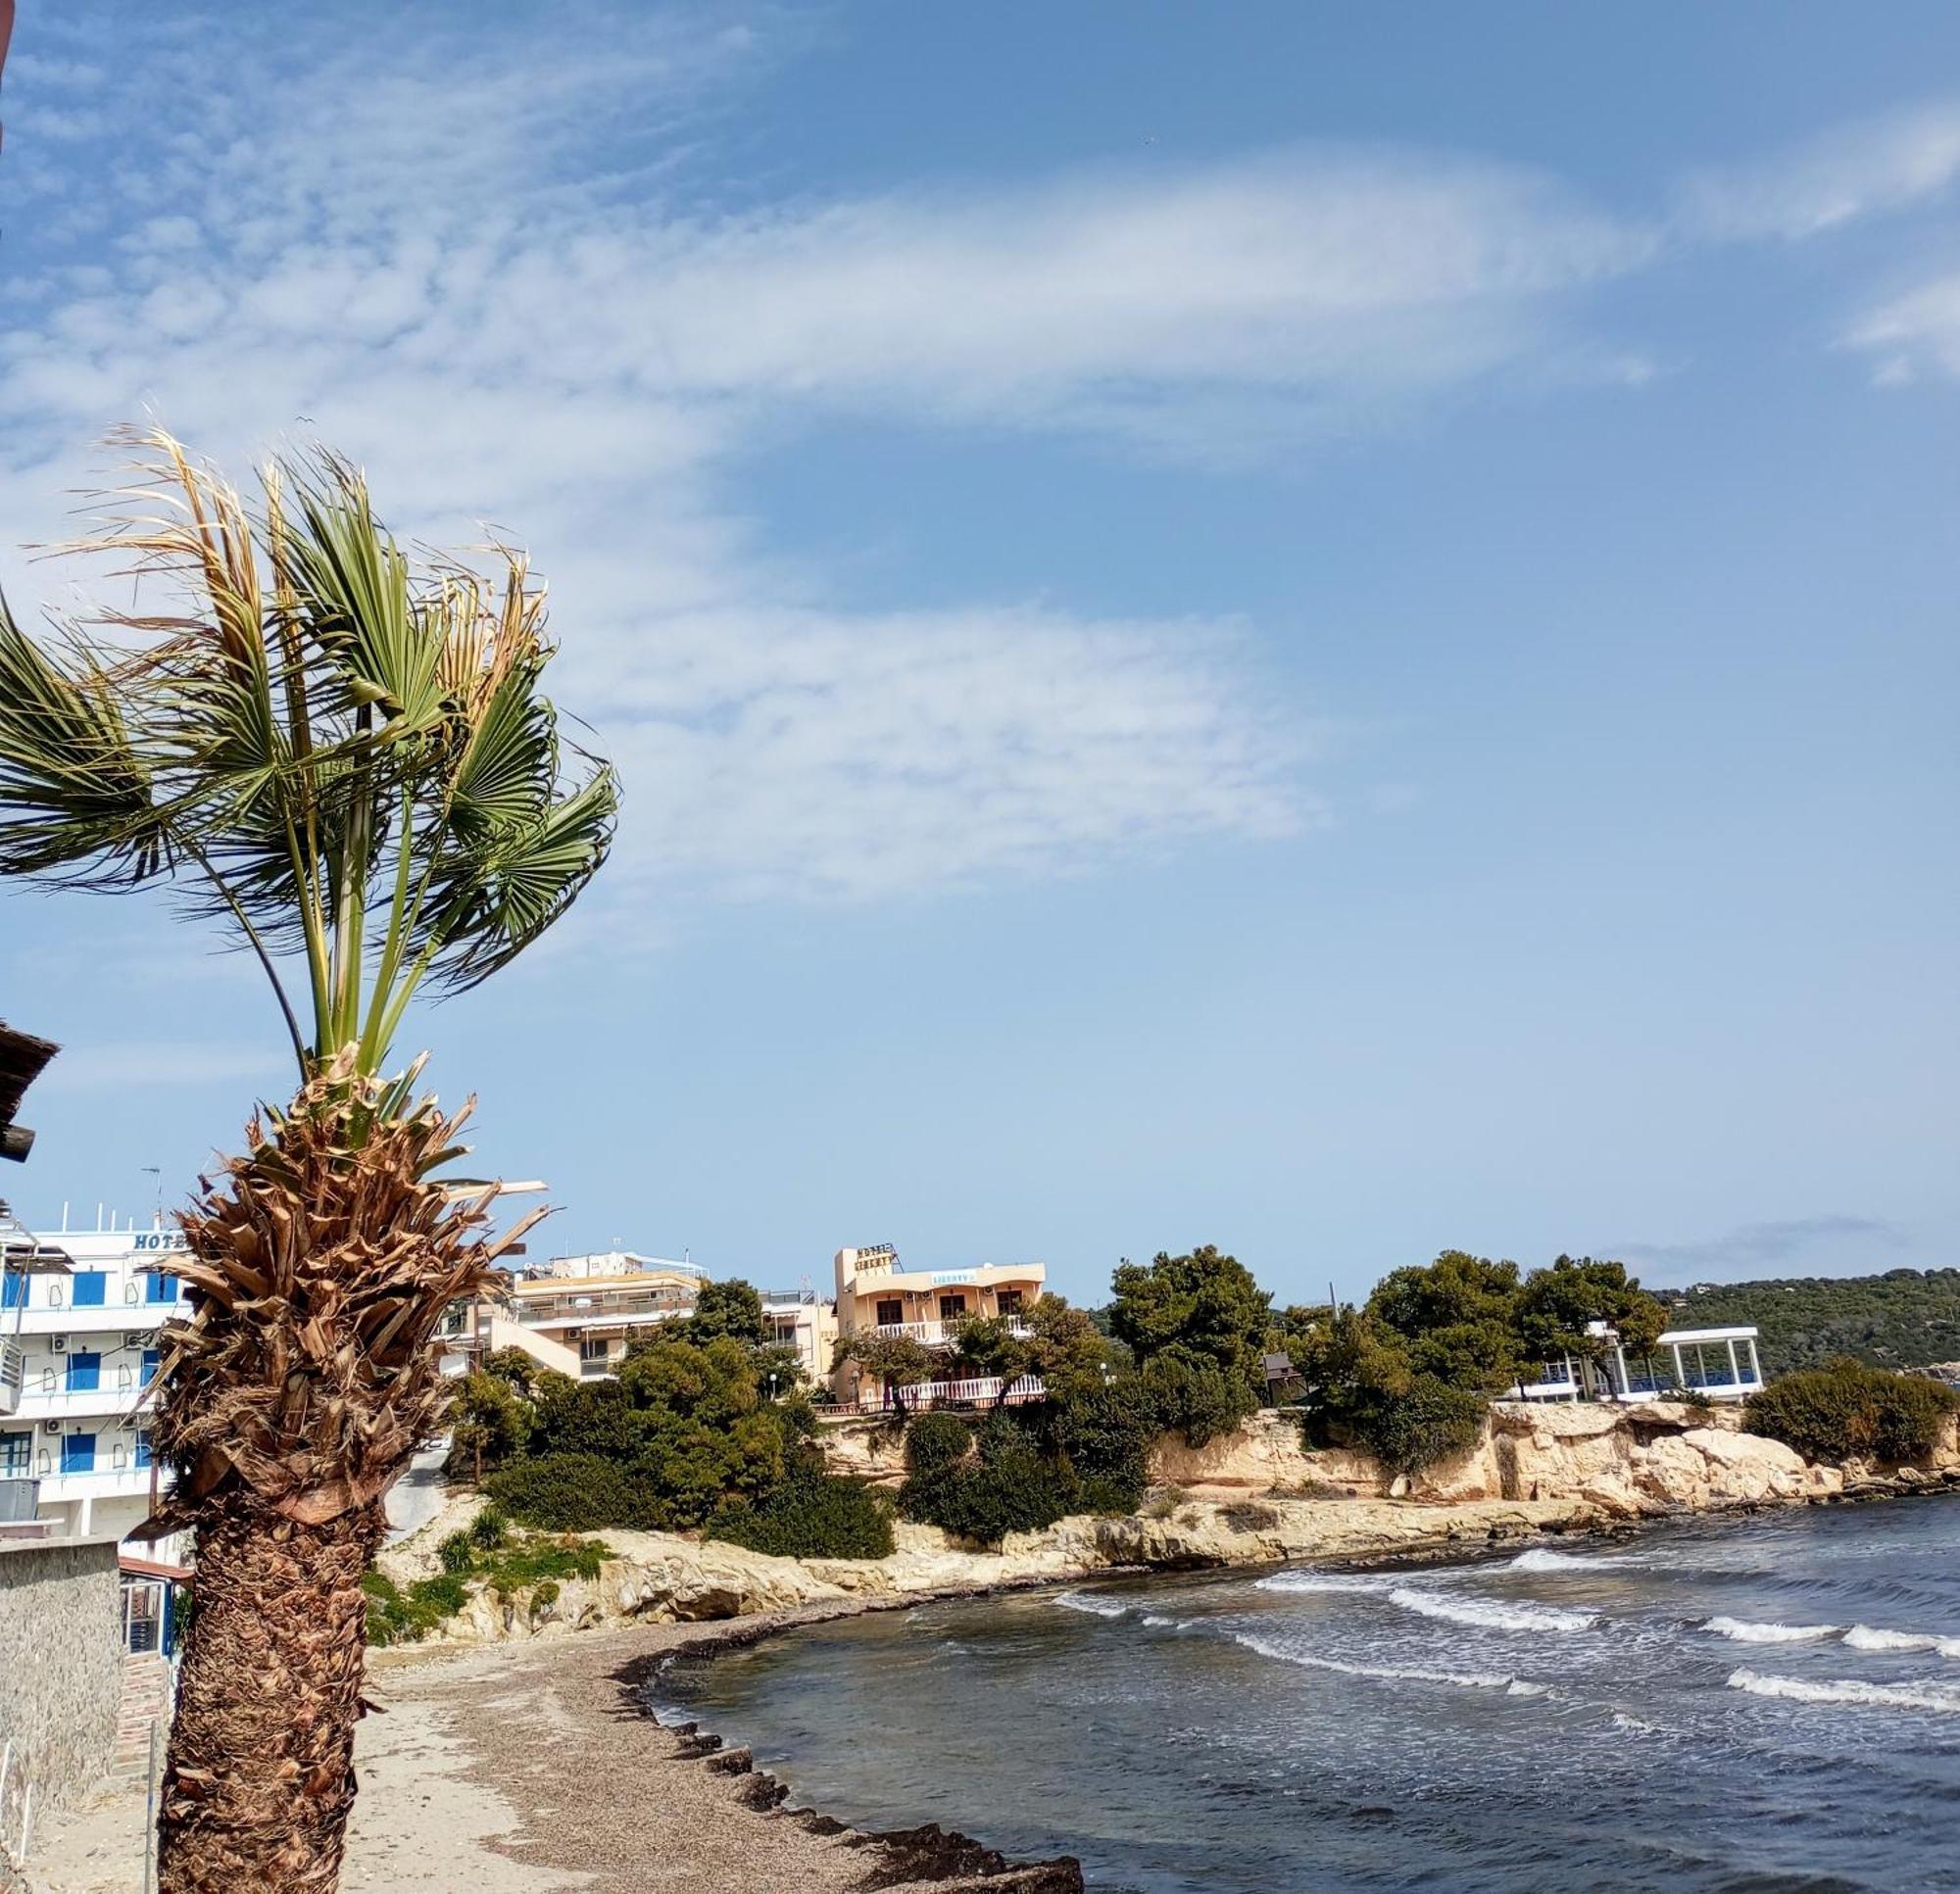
column 77, row 1453
column 84, row 1375
column 151, row 1358
column 88, row 1288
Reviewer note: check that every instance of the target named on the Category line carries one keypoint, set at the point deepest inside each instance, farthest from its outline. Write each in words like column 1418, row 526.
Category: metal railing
column 937, row 1333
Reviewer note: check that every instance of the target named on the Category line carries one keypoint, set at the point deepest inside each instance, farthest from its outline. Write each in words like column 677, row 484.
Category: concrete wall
column 60, row 1671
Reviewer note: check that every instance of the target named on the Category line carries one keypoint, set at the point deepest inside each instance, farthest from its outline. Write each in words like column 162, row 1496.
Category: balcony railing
column 982, row 1391
column 20, row 1496
column 12, row 1376
column 940, row 1335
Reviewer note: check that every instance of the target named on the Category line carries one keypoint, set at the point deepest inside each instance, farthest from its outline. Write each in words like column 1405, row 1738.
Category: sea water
column 1743, row 1705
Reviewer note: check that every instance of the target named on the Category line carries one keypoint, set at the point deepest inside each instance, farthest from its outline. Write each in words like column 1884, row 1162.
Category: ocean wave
column 1388, row 1673
column 1742, row 1632
column 1093, row 1603
column 1326, row 1581
column 1632, row 1725
column 1488, row 1614
column 1848, row 1690
column 1538, row 1559
column 1863, row 1637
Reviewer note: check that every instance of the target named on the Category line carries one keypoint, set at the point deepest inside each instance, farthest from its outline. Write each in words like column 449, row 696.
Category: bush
column 1105, row 1432
column 1013, row 1489
column 1847, row 1409
column 1194, row 1397
column 935, row 1440
column 1406, row 1431
column 569, row 1492
column 810, row 1515
column 490, row 1527
column 457, row 1552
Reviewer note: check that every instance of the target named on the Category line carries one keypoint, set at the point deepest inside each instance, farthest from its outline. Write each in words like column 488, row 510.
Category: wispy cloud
column 1912, row 335
column 1875, row 166
column 504, row 288
column 1762, row 1245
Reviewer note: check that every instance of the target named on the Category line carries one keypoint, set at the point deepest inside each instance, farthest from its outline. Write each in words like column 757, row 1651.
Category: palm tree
column 344, row 759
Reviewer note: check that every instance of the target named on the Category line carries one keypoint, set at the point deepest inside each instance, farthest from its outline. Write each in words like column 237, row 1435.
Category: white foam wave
column 1090, row 1602
column 1381, row 1673
column 1863, row 1637
column 1488, row 1614
column 1632, row 1724
column 1742, row 1632
column 1323, row 1582
column 1539, row 1560
column 1156, row 1622
column 1848, row 1690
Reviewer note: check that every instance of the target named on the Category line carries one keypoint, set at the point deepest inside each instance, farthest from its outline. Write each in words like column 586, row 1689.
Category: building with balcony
column 80, row 1313
column 803, row 1320
column 574, row 1314
column 876, row 1294
column 1719, row 1364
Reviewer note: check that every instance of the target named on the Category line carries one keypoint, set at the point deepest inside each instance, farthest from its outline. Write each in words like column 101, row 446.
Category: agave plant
column 345, row 761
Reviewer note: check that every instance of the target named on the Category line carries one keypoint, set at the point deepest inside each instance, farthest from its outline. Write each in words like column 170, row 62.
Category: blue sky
column 1323, row 629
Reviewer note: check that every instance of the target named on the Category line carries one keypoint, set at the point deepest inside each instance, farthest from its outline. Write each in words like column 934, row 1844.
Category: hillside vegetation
column 1906, row 1318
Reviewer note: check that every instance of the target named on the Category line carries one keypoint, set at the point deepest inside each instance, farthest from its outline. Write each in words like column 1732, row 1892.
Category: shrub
column 1406, row 1431
column 1013, row 1489
column 398, row 1617
column 1846, row 1409
column 569, row 1492
column 810, row 1515
column 1194, row 1397
column 1105, row 1432
column 490, row 1527
column 457, row 1552
column 935, row 1440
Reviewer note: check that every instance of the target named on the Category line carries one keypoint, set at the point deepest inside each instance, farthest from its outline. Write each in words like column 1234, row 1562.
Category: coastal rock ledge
column 1254, row 1497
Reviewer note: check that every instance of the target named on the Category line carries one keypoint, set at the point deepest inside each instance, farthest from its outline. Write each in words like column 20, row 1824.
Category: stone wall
column 61, row 1671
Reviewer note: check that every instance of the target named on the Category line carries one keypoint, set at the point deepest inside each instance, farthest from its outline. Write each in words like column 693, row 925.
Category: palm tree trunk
column 260, row 1771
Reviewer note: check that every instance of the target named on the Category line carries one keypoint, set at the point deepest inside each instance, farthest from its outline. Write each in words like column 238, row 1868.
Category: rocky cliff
column 1257, row 1496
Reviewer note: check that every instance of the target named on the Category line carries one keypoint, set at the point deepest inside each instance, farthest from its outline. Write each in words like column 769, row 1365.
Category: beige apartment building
column 877, row 1295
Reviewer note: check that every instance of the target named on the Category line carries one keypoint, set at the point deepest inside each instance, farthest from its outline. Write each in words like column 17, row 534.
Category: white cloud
column 432, row 267
column 1855, row 171
column 1914, row 334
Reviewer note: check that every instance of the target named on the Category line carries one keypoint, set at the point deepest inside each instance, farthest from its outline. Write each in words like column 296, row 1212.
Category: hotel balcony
column 982, row 1391
column 943, row 1334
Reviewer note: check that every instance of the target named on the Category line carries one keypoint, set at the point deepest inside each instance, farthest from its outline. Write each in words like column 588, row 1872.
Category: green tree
column 733, row 1308
column 895, row 1360
column 1203, row 1306
column 1557, row 1305
column 347, row 762
column 1457, row 1319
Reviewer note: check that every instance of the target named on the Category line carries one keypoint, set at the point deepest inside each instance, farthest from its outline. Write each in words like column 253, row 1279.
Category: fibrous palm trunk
column 319, row 1265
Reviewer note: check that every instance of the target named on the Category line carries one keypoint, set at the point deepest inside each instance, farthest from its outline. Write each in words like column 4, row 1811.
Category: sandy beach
column 502, row 1768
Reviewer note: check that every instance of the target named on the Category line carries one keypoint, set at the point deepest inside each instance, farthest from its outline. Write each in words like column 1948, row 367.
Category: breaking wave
column 1090, row 1602
column 1488, row 1614
column 1324, row 1581
column 1862, row 1637
column 1742, row 1632
column 1393, row 1673
column 1880, row 1696
column 1538, row 1559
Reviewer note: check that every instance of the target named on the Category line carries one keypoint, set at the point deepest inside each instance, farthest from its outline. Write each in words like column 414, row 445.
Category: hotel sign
column 943, row 1277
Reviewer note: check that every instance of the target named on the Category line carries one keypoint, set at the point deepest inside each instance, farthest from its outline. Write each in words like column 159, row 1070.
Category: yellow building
column 877, row 1295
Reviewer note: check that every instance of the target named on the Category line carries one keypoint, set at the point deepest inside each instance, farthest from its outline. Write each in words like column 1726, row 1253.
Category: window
column 77, row 1453
column 84, row 1374
column 891, row 1309
column 88, row 1288
column 142, row 1446
column 16, row 1451
column 1008, row 1301
column 160, row 1289
column 151, row 1358
column 15, row 1294
column 951, row 1307
column 591, row 1350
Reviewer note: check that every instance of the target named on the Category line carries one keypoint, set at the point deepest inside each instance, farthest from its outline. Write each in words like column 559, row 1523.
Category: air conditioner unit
column 59, row 1344
column 135, row 1339
column 51, row 1427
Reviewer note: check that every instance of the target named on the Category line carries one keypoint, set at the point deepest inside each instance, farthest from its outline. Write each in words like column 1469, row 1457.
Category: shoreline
column 540, row 1765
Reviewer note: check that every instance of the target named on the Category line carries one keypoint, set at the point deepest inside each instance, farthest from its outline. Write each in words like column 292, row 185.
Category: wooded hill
column 1906, row 1318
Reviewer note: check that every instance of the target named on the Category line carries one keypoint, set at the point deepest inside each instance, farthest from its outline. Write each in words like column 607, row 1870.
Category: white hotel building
column 79, row 1314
